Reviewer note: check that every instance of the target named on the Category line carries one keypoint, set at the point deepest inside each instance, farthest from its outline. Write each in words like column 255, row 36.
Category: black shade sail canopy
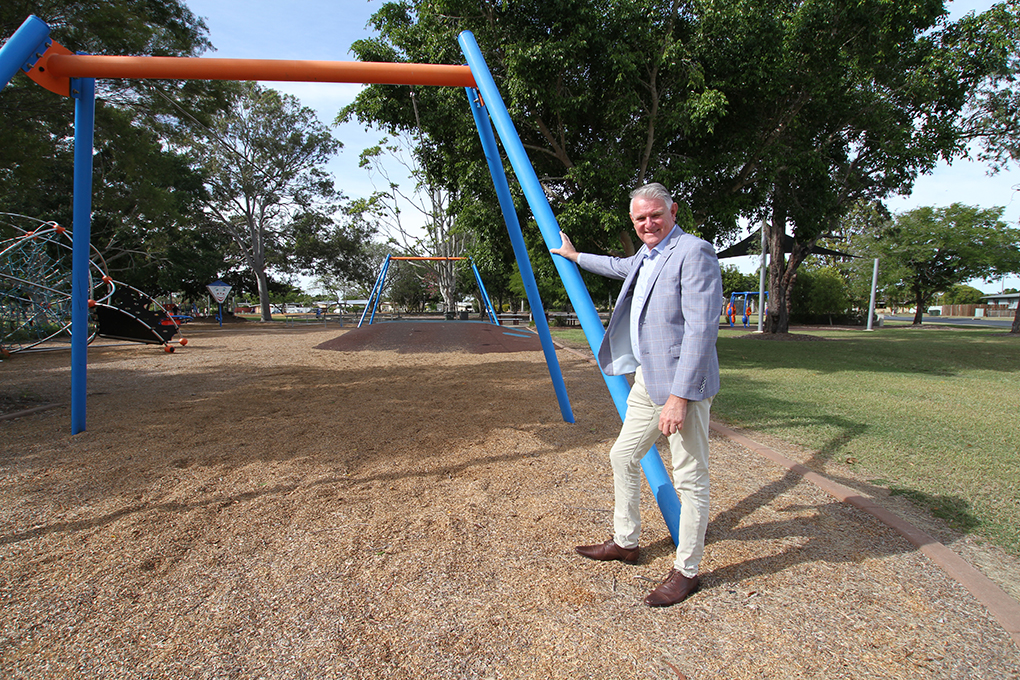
column 745, row 246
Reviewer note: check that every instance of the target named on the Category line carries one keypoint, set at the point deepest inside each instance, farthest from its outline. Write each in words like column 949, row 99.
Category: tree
column 943, row 247
column 145, row 194
column 820, row 292
column 736, row 282
column 432, row 202
column 410, row 289
column 792, row 111
column 994, row 118
column 595, row 88
column 830, row 103
column 266, row 187
column 332, row 249
column 962, row 295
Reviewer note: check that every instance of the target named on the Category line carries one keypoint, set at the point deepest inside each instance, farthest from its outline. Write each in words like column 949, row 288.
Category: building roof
column 1001, row 296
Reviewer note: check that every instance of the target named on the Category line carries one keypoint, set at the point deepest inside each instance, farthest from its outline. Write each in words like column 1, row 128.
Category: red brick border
column 999, row 604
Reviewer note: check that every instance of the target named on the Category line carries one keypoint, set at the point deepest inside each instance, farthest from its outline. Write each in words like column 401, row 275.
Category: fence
column 978, row 310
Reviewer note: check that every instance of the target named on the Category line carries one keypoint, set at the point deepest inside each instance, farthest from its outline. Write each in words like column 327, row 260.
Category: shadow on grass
column 853, row 538
column 956, row 511
column 756, row 405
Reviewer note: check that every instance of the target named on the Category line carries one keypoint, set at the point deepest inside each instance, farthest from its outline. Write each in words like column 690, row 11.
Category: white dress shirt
column 641, row 284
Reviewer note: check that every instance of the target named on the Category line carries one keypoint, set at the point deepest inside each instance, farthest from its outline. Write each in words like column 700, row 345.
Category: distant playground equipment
column 741, row 304
column 380, row 285
column 35, row 283
column 55, row 68
column 127, row 313
column 36, row 293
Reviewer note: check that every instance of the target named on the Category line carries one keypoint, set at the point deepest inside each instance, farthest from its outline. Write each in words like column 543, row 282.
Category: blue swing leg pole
column 84, row 92
column 26, row 45
column 489, row 311
column 378, row 283
column 378, row 293
column 513, row 227
column 655, row 472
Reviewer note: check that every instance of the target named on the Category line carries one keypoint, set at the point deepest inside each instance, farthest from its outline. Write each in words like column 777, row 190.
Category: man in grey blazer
column 663, row 329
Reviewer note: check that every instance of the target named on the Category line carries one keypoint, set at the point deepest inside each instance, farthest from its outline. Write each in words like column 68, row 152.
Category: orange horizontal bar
column 194, row 68
column 426, row 258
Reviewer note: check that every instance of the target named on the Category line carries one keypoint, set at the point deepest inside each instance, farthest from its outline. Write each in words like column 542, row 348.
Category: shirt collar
column 661, row 245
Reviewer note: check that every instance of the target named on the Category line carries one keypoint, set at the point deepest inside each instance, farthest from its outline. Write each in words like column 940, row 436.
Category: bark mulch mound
column 253, row 507
column 412, row 337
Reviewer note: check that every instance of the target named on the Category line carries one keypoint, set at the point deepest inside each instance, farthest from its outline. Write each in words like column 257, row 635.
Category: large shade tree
column 597, row 88
column 831, row 103
column 145, row 200
column 936, row 249
column 267, row 188
column 993, row 118
column 994, row 114
column 790, row 111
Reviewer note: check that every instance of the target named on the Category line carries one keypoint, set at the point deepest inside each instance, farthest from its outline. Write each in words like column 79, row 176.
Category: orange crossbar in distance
column 408, row 257
column 196, row 68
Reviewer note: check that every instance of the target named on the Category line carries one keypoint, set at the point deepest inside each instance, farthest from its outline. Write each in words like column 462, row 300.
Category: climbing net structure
column 35, row 293
column 35, row 283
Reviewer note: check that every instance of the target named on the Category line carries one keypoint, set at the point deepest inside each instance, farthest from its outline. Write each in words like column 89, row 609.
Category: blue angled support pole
column 513, row 227
column 84, row 92
column 23, row 48
column 485, row 294
column 655, row 472
column 377, row 288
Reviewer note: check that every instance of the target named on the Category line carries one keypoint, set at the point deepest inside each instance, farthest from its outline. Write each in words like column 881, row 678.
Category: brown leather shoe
column 609, row 551
column 673, row 590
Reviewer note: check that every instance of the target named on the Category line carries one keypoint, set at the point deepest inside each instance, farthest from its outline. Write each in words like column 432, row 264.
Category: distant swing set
column 741, row 304
column 380, row 284
column 57, row 69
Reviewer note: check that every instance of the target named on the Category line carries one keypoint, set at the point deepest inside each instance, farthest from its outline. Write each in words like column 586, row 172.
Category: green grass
column 931, row 414
column 571, row 337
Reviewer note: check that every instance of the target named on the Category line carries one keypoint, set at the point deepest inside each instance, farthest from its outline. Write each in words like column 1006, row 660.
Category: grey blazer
column 678, row 324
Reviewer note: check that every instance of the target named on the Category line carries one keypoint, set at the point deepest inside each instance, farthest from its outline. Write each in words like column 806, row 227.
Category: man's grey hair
column 653, row 191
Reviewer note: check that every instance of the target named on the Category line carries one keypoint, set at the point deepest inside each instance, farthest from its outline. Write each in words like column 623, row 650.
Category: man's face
column 652, row 219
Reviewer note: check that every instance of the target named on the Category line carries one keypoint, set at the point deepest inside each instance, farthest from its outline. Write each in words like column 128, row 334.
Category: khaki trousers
column 689, row 449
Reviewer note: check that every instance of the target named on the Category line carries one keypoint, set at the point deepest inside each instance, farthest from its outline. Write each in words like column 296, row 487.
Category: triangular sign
column 219, row 290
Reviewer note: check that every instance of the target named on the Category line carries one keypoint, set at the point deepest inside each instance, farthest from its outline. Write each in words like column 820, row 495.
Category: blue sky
column 325, row 30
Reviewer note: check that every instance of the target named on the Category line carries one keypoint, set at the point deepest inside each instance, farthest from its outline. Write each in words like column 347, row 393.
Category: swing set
column 740, row 303
column 31, row 51
column 380, row 284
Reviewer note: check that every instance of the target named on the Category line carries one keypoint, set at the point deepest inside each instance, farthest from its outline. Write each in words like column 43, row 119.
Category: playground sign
column 219, row 290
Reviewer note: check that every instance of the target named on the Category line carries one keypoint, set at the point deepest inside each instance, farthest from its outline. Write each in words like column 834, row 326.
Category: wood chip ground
column 252, row 507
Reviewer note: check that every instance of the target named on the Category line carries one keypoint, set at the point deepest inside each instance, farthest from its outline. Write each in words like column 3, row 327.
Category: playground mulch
column 251, row 506
column 414, row 337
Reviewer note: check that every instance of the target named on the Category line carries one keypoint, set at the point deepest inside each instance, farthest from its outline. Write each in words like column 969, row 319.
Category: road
column 957, row 321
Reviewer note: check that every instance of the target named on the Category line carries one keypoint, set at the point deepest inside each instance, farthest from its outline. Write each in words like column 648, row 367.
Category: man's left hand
column 673, row 414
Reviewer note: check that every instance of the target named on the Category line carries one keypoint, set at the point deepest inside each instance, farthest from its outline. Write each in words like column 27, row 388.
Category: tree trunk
column 919, row 310
column 627, row 242
column 778, row 319
column 1015, row 330
column 783, row 278
column 266, row 312
column 446, row 271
